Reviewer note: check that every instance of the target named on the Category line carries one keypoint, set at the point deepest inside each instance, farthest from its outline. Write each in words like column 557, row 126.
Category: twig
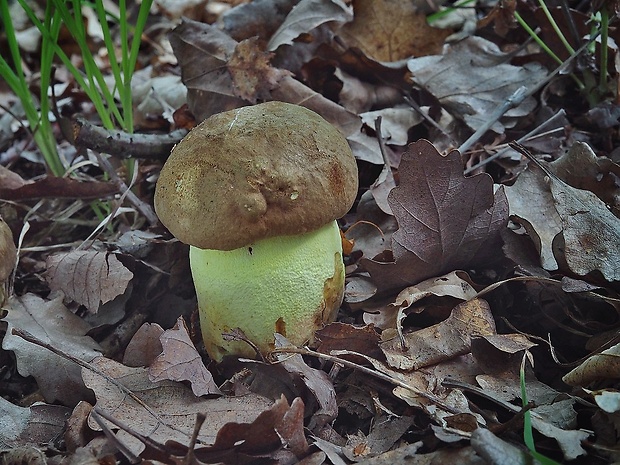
column 123, row 144
column 526, row 137
column 377, row 374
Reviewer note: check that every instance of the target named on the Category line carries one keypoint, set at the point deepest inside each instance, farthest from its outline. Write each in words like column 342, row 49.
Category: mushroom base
column 291, row 285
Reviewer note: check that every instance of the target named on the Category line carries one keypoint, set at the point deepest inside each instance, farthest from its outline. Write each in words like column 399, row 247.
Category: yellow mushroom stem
column 292, row 285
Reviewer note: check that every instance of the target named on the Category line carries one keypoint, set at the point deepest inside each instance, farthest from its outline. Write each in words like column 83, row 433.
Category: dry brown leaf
column 253, row 77
column 279, row 429
column 531, row 205
column 88, row 277
column 591, row 232
column 203, row 52
column 391, row 30
column 8, row 253
column 598, row 367
column 59, row 379
column 166, row 410
column 440, row 342
column 472, row 78
column 144, row 346
column 315, row 380
column 340, row 336
column 30, row 426
column 180, row 361
column 455, row 284
column 581, row 168
column 306, row 16
column 446, row 221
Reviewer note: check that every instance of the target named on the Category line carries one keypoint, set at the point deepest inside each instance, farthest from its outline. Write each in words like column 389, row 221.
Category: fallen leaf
column 531, row 205
column 279, row 428
column 144, row 347
column 203, row 52
column 455, row 284
column 446, row 221
column 165, row 410
column 391, row 30
column 88, row 277
column 315, row 380
column 306, row 16
column 252, row 74
column 472, row 77
column 442, row 341
column 8, row 253
column 30, row 426
column 591, row 232
column 58, row 379
column 598, row 367
column 395, row 123
column 180, row 361
column 582, row 169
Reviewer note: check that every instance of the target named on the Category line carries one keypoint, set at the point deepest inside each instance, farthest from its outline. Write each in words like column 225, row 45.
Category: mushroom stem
column 292, row 285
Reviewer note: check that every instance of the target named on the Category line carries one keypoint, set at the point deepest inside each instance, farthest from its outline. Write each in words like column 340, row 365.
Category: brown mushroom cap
column 273, row 169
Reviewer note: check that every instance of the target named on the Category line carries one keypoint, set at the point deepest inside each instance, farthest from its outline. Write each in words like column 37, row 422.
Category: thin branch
column 123, row 144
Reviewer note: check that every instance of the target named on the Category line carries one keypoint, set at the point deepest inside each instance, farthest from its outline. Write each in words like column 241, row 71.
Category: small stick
column 123, row 144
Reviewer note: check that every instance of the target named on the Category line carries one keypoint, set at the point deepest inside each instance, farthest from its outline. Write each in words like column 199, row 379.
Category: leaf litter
column 452, row 280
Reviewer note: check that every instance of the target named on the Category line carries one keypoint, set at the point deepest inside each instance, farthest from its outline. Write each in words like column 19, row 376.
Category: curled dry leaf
column 306, row 16
column 531, row 205
column 598, row 367
column 315, row 380
column 88, row 277
column 445, row 220
column 442, row 341
column 180, row 361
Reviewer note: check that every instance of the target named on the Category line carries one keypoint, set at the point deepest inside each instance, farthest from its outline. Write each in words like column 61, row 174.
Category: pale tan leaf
column 88, row 277
column 180, row 361
column 165, row 410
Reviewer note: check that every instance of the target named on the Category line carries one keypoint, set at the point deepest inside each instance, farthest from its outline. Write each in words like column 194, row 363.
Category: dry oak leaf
column 445, row 220
column 34, row 425
column 391, row 30
column 581, row 168
column 180, row 361
column 88, row 277
column 306, row 16
column 165, row 410
column 57, row 378
column 471, row 78
column 443, row 341
column 591, row 232
column 276, row 432
column 531, row 205
column 203, row 52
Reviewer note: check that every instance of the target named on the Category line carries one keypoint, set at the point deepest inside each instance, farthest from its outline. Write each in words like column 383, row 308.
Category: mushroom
column 255, row 192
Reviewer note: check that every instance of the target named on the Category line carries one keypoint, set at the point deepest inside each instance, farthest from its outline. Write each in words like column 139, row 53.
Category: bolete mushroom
column 255, row 192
